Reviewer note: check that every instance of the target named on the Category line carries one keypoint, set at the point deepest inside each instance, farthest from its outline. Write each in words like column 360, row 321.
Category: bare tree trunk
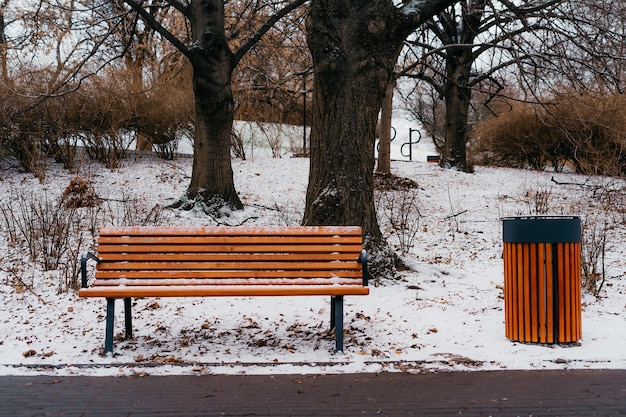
column 457, row 91
column 212, row 176
column 354, row 45
column 457, row 95
column 3, row 44
column 135, row 61
column 383, row 165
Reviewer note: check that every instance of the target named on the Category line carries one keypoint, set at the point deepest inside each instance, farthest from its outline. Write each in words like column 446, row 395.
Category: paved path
column 501, row 393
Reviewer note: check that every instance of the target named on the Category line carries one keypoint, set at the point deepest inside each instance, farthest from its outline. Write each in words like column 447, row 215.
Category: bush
column 104, row 114
column 583, row 132
column 398, row 203
column 593, row 257
column 54, row 232
column 80, row 193
column 45, row 227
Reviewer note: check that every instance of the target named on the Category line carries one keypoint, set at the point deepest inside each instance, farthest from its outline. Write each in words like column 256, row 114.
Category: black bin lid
column 541, row 229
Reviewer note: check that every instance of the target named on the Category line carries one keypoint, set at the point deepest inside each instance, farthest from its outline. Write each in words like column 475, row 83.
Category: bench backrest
column 144, row 256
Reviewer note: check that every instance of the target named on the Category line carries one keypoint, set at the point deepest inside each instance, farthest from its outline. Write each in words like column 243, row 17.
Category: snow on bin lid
column 541, row 229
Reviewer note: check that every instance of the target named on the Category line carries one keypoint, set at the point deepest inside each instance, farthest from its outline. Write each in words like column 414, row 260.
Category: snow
column 412, row 7
column 446, row 313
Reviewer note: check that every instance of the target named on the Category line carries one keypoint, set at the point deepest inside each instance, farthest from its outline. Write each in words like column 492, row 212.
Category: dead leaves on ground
column 32, row 352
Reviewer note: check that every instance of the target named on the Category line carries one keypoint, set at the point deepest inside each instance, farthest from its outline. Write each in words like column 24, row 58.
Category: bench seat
column 226, row 261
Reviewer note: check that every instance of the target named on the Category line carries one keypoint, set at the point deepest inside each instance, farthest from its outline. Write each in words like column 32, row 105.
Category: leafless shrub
column 109, row 150
column 21, row 279
column 611, row 198
column 131, row 211
column 62, row 149
column 10, row 228
column 236, row 146
column 287, row 216
column 56, row 224
column 54, row 232
column 45, row 228
column 400, row 209
column 538, row 200
column 71, row 271
column 593, row 258
column 166, row 150
column 92, row 219
column 25, row 149
column 274, row 136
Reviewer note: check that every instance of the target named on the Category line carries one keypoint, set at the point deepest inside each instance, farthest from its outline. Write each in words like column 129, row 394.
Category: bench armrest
column 83, row 267
column 363, row 260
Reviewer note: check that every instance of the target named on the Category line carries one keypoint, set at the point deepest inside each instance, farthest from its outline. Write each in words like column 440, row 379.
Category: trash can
column 542, row 287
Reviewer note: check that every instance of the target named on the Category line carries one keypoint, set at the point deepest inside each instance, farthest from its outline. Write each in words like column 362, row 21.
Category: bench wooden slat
column 113, row 275
column 228, row 248
column 227, row 257
column 232, row 231
column 221, row 240
column 223, row 291
column 157, row 280
column 245, row 266
column 154, row 274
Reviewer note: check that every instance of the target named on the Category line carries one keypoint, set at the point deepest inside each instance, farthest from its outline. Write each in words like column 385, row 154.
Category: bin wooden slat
column 542, row 292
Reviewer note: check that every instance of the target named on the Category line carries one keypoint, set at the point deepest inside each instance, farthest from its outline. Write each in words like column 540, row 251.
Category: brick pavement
column 497, row 393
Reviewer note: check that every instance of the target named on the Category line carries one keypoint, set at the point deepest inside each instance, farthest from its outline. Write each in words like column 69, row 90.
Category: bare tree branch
column 254, row 39
column 159, row 28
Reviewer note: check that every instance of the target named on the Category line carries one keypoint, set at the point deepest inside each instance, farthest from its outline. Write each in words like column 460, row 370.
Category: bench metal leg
column 110, row 321
column 336, row 320
column 108, row 336
column 128, row 318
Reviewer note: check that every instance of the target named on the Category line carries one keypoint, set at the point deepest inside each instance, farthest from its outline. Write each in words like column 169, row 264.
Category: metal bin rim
column 541, row 229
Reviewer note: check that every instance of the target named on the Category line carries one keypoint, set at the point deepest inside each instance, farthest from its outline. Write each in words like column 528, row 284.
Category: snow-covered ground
column 446, row 313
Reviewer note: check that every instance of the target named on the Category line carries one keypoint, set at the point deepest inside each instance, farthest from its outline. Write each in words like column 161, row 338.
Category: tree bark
column 383, row 164
column 457, row 96
column 212, row 175
column 354, row 45
column 457, row 90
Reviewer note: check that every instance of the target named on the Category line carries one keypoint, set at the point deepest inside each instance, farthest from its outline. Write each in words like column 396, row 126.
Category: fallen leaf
column 29, row 353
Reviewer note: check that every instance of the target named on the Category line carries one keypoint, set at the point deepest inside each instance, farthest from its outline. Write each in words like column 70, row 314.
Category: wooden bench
column 226, row 261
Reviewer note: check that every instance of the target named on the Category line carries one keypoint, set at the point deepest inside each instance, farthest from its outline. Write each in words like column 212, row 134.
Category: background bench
column 226, row 261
